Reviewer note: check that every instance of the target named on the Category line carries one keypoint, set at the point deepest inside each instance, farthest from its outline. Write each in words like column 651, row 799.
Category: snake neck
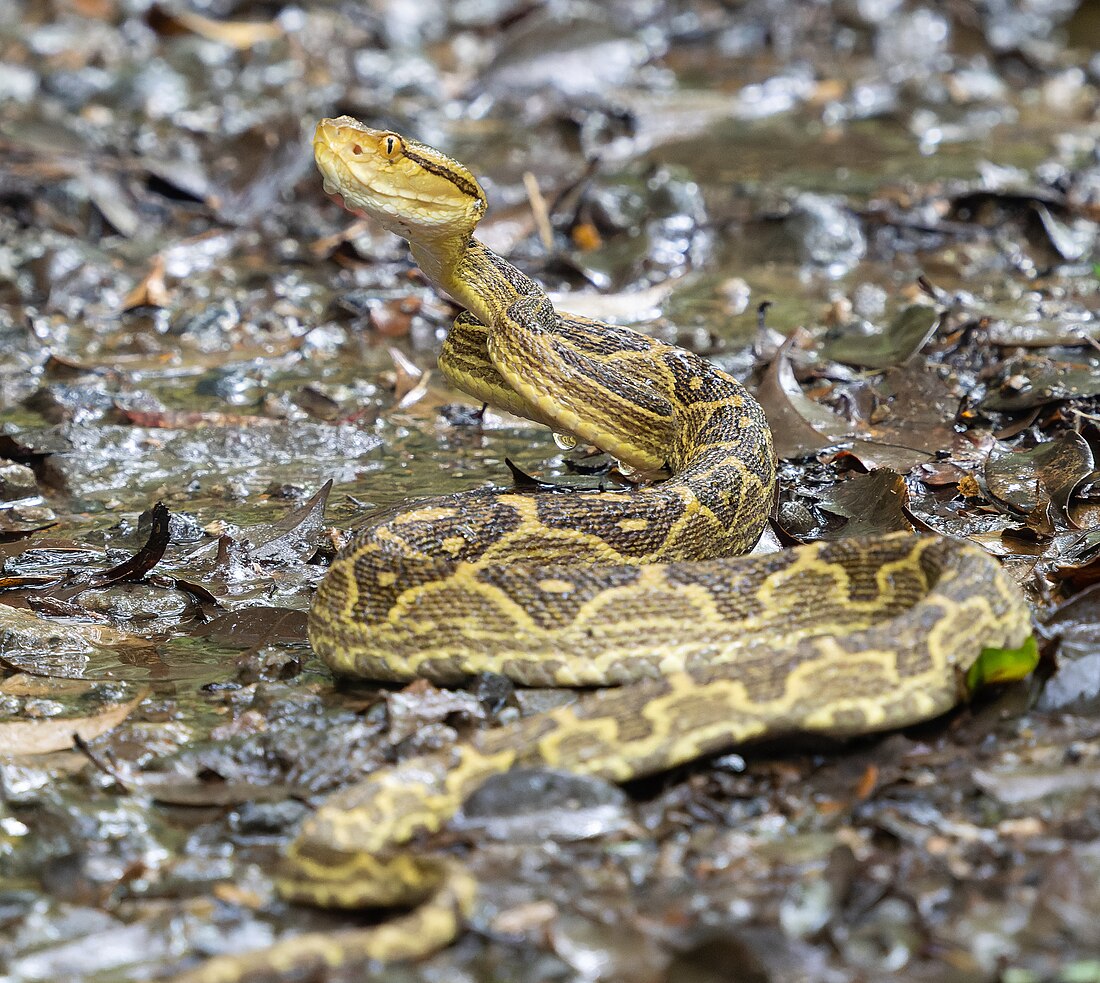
column 470, row 272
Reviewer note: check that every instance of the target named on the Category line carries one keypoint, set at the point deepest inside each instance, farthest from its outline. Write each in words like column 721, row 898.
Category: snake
column 639, row 596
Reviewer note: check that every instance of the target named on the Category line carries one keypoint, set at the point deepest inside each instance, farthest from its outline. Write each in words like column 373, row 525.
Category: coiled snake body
column 629, row 590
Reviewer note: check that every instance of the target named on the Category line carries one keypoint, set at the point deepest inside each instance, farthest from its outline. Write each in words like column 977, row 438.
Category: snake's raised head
column 411, row 188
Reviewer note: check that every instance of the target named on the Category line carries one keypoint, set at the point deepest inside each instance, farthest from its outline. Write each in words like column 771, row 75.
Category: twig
column 539, row 210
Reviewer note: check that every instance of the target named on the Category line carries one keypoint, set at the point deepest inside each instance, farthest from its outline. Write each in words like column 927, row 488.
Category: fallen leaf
column 81, row 708
column 1015, row 785
column 1003, row 665
column 904, row 336
column 253, row 628
column 625, row 307
column 1025, row 480
column 1079, row 565
column 410, row 381
column 1075, row 626
column 43, row 647
column 151, row 291
column 192, row 419
column 241, row 35
column 1034, row 380
column 108, row 193
column 800, row 427
column 872, row 503
column 293, row 537
column 138, row 565
column 213, row 791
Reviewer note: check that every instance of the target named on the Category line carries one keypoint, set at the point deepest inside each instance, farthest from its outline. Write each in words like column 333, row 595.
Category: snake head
column 411, row 188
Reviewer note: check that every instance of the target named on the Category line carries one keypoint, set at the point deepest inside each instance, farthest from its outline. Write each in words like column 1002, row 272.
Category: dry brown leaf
column 101, row 9
column 241, row 35
column 410, row 381
column 327, row 244
column 151, row 291
column 792, row 415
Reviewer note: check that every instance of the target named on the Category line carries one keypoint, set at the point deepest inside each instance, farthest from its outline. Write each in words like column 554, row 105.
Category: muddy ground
column 880, row 214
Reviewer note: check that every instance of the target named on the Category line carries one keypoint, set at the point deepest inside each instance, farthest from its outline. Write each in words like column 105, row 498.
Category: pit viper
column 633, row 591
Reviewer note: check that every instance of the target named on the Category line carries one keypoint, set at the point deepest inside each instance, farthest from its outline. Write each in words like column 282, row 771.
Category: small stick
column 539, row 210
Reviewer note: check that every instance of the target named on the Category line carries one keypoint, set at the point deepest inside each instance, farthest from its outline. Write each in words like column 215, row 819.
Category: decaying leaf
column 1075, row 626
column 138, row 565
column 192, row 419
column 1049, row 473
column 151, row 290
column 241, row 35
column 62, row 649
column 1079, row 564
column 1035, row 380
column 799, row 426
column 905, row 335
column 42, row 714
column 872, row 503
column 293, row 537
column 254, row 627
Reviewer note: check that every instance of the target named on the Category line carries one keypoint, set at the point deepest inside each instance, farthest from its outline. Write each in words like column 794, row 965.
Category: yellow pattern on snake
column 629, row 590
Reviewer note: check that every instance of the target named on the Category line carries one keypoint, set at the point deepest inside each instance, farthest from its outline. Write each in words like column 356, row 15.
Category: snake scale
column 633, row 591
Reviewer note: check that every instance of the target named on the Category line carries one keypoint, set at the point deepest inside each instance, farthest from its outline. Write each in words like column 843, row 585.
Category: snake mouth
column 330, row 148
column 413, row 190
column 333, row 140
column 327, row 160
column 335, row 176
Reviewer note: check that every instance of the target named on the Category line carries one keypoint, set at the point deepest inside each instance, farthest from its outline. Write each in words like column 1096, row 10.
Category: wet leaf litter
column 185, row 319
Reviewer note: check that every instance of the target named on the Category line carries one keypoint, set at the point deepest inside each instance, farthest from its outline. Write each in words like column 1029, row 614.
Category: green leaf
column 1003, row 665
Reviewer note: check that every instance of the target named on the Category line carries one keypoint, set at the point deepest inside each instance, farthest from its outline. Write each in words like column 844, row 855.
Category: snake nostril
column 356, row 149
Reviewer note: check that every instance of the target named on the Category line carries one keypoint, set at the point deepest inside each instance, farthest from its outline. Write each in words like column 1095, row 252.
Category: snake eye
column 391, row 145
